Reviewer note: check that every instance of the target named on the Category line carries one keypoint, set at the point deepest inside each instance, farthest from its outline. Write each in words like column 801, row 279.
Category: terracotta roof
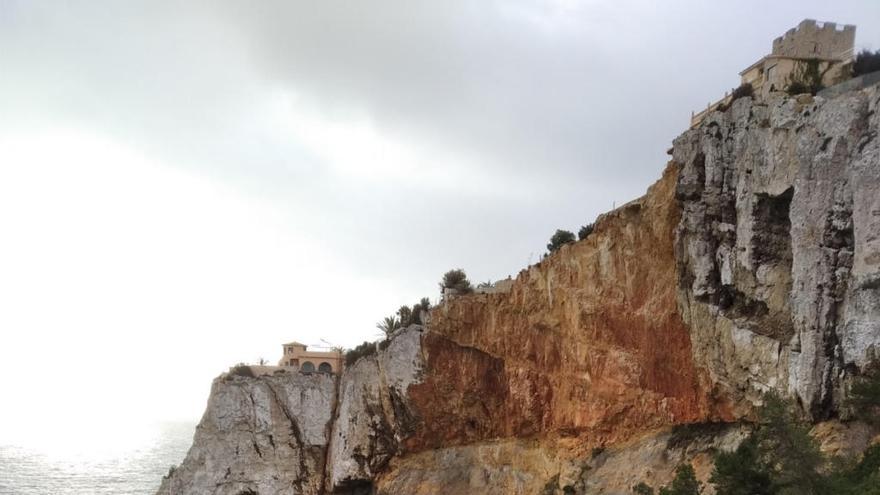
column 295, row 343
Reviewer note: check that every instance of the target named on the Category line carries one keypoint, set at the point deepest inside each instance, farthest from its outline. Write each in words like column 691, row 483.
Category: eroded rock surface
column 374, row 415
column 778, row 250
column 262, row 435
column 549, row 467
column 588, row 343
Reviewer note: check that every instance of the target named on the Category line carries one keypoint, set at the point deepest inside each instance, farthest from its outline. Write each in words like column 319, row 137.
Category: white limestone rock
column 778, row 246
column 265, row 435
column 373, row 416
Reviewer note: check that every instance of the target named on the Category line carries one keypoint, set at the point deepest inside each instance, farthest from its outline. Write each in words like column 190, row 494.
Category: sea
column 121, row 463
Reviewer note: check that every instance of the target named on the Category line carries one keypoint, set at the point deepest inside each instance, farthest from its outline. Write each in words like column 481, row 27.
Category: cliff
column 752, row 264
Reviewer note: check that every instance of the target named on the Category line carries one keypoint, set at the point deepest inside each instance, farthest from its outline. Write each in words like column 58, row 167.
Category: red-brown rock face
column 587, row 343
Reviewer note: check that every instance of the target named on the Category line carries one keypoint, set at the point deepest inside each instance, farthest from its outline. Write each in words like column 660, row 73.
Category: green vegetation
column 413, row 315
column 559, row 239
column 780, row 457
column 743, row 90
column 241, row 369
column 642, row 489
column 388, row 325
column 864, row 396
column 585, row 231
column 684, row 483
column 866, row 61
column 457, row 280
column 806, row 77
column 365, row 349
column 740, row 472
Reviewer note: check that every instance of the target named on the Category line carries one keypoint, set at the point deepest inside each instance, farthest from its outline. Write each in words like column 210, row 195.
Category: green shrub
column 423, row 305
column 684, row 483
column 457, row 280
column 864, row 396
column 742, row 472
column 806, row 77
column 388, row 325
column 642, row 489
column 585, row 231
column 786, row 447
column 365, row 349
column 241, row 369
column 797, row 88
column 405, row 315
column 866, row 61
column 743, row 90
column 779, row 457
column 559, row 239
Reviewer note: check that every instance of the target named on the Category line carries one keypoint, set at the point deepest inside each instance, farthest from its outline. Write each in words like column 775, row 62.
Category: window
column 307, row 367
column 325, row 368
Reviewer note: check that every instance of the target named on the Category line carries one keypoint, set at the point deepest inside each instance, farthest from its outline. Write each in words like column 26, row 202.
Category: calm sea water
column 118, row 462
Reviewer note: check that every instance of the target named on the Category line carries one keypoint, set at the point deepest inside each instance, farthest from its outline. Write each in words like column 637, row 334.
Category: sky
column 187, row 185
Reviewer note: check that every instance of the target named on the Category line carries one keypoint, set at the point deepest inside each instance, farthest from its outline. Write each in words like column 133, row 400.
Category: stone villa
column 826, row 42
column 298, row 356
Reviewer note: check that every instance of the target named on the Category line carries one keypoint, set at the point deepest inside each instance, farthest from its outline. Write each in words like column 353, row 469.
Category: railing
column 697, row 118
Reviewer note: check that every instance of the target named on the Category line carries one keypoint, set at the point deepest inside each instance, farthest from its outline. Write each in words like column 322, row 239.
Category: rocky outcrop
column 589, row 343
column 753, row 264
column 263, row 435
column 778, row 250
column 374, row 414
column 520, row 466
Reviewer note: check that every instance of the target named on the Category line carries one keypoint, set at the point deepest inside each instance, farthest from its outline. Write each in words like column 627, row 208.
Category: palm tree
column 405, row 313
column 388, row 325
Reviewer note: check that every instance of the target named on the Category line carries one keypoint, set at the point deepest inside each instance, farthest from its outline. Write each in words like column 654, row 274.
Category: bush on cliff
column 866, row 61
column 864, row 396
column 585, row 231
column 642, row 489
column 456, row 280
column 806, row 77
column 365, row 349
column 559, row 239
column 743, row 90
column 241, row 369
column 413, row 315
column 780, row 457
column 424, row 304
column 684, row 483
column 741, row 472
column 388, row 325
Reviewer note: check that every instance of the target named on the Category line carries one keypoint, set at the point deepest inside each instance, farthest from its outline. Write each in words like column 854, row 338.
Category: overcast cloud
column 204, row 180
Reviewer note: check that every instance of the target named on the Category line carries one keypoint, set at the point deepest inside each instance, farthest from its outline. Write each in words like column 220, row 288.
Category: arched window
column 325, row 368
column 307, row 367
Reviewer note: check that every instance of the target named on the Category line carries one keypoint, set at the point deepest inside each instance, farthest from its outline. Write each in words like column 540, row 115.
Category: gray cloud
column 567, row 107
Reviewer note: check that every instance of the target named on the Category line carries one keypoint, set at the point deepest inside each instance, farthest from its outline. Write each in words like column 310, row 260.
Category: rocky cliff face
column 752, row 264
column 265, row 435
column 778, row 250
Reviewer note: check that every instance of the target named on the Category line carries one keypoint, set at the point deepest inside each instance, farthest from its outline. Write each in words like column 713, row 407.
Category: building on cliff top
column 298, row 356
column 830, row 45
